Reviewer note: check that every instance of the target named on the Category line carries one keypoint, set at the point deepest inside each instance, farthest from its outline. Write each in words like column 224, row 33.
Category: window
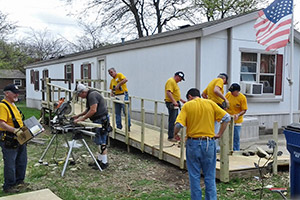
column 18, row 82
column 69, row 72
column 32, row 76
column 36, row 80
column 86, row 72
column 263, row 68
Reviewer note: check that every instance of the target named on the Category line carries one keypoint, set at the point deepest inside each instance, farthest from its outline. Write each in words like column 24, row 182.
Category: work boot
column 102, row 165
column 22, row 185
column 11, row 190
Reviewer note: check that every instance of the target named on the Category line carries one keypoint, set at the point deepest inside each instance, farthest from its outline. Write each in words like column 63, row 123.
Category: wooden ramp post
column 182, row 139
column 142, row 126
column 126, row 126
column 161, row 138
column 275, row 137
column 224, row 155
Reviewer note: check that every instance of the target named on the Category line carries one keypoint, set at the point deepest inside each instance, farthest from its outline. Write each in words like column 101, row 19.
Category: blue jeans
column 172, row 118
column 236, row 138
column 201, row 155
column 15, row 163
column 119, row 107
column 101, row 133
column 217, row 128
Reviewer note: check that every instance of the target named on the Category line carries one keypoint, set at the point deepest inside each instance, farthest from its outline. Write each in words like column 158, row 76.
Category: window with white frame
column 262, row 68
column 18, row 82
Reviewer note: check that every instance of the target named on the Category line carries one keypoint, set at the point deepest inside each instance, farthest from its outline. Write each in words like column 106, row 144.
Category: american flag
column 273, row 24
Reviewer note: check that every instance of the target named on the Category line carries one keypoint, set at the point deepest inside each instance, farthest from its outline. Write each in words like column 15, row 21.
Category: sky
column 52, row 14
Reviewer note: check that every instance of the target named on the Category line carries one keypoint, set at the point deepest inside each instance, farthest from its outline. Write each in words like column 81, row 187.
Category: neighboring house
column 8, row 76
column 201, row 52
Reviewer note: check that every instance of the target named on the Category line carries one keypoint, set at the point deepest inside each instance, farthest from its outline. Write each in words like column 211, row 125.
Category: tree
column 219, row 9
column 144, row 17
column 12, row 57
column 41, row 45
column 6, row 27
column 91, row 38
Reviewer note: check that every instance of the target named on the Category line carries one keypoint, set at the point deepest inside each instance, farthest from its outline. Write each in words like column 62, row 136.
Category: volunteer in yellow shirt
column 14, row 154
column 215, row 90
column 172, row 98
column 199, row 116
column 238, row 107
column 119, row 91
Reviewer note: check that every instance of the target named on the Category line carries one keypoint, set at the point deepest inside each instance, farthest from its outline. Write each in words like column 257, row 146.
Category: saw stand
column 77, row 135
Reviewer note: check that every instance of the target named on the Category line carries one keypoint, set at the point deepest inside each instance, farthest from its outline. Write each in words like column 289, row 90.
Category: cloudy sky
column 52, row 14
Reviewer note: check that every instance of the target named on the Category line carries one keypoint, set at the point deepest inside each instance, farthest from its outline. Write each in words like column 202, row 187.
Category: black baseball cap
column 226, row 77
column 180, row 74
column 13, row 88
column 234, row 87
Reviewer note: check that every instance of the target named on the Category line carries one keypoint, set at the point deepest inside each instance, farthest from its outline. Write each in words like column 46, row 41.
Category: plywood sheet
column 44, row 194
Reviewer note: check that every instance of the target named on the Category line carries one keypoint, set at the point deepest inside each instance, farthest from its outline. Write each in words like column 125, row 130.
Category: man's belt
column 119, row 94
column 201, row 138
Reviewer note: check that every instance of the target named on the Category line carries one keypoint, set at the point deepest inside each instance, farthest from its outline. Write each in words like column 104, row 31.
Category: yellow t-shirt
column 236, row 105
column 210, row 90
column 119, row 77
column 6, row 116
column 172, row 86
column 199, row 116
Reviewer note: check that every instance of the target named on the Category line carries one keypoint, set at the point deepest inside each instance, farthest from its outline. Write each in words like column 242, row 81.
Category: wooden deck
column 239, row 165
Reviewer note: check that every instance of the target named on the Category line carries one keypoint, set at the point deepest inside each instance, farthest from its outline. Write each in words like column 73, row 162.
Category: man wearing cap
column 14, row 154
column 199, row 115
column 215, row 90
column 238, row 107
column 96, row 111
column 172, row 98
column 119, row 91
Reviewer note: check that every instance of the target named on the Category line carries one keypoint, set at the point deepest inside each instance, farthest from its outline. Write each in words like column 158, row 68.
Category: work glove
column 19, row 132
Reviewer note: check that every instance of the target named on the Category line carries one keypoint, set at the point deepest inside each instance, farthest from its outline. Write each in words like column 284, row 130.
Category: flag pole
column 290, row 78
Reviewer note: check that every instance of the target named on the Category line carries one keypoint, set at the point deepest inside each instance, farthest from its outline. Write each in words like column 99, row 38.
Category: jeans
column 119, row 107
column 217, row 128
column 201, row 155
column 15, row 163
column 172, row 118
column 236, row 138
column 101, row 133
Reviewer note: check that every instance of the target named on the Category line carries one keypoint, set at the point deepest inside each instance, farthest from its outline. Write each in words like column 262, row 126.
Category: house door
column 101, row 75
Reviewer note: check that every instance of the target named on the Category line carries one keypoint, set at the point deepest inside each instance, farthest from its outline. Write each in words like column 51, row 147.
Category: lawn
column 131, row 175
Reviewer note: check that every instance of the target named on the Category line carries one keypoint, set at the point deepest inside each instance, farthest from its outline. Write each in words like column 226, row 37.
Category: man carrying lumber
column 199, row 116
column 96, row 111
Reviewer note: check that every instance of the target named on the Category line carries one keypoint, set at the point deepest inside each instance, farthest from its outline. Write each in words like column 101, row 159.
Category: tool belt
column 9, row 139
column 106, row 127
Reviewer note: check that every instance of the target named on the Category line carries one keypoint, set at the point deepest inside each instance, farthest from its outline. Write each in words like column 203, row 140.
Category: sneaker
column 92, row 164
column 11, row 190
column 172, row 140
column 129, row 129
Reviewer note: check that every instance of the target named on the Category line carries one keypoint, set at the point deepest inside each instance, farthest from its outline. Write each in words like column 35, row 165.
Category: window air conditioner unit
column 251, row 88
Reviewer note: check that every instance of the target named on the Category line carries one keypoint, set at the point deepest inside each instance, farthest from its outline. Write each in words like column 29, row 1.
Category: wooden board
column 44, row 194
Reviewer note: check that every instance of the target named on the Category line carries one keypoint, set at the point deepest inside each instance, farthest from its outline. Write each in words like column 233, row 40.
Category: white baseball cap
column 80, row 88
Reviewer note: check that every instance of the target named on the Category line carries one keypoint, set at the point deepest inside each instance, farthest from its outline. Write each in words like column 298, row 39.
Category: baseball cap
column 234, row 87
column 180, row 74
column 12, row 87
column 226, row 76
column 80, row 87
